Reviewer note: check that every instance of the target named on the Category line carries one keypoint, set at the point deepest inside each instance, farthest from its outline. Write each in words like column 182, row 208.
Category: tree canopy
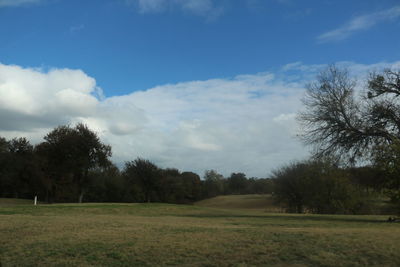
column 69, row 153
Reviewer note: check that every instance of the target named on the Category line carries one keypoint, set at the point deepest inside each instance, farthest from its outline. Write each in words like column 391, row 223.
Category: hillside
column 241, row 202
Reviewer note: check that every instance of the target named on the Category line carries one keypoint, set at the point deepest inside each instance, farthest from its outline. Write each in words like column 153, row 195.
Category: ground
column 190, row 235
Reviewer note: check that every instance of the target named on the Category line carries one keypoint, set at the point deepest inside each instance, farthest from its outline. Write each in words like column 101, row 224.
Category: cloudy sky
column 191, row 84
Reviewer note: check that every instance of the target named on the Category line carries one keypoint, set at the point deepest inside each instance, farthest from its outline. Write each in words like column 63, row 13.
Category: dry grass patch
column 244, row 202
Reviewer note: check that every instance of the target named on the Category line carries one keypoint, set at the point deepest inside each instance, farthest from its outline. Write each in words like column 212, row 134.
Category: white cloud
column 360, row 23
column 205, row 8
column 246, row 123
column 14, row 3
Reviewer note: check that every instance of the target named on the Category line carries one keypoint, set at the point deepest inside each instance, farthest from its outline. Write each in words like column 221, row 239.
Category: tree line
column 73, row 165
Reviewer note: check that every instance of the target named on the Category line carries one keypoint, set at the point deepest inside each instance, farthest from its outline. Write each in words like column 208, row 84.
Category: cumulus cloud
column 43, row 98
column 15, row 3
column 205, row 8
column 245, row 123
column 360, row 23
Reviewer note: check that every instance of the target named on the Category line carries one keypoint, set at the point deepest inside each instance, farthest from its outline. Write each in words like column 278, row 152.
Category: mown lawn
column 163, row 234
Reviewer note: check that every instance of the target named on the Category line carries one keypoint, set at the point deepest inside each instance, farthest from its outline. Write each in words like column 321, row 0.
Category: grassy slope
column 245, row 202
column 162, row 234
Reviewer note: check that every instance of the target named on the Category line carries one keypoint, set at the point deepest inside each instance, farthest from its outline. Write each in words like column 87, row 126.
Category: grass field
column 163, row 234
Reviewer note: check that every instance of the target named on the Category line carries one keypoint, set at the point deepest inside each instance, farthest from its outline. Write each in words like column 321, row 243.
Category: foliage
column 213, row 184
column 149, row 183
column 105, row 185
column 387, row 160
column 67, row 156
column 145, row 177
column 316, row 187
column 237, row 183
column 19, row 174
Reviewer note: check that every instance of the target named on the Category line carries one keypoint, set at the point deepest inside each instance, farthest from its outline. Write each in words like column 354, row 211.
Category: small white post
column 35, row 201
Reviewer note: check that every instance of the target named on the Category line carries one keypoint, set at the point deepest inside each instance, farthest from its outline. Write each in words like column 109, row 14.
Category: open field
column 163, row 234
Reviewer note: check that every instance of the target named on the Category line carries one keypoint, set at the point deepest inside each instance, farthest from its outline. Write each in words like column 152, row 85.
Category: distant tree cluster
column 237, row 183
column 73, row 165
column 320, row 186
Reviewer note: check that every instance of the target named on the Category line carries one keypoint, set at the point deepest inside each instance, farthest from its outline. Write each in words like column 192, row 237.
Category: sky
column 190, row 84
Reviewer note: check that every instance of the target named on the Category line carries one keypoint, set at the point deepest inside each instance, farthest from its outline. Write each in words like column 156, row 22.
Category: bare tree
column 337, row 123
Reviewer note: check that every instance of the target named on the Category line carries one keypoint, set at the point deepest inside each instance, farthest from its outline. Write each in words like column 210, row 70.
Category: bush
column 317, row 187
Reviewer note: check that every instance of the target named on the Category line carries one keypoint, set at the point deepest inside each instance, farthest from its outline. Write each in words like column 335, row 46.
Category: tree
column 145, row 177
column 290, row 186
column 23, row 168
column 317, row 187
column 91, row 154
column 387, row 160
column 336, row 122
column 6, row 181
column 368, row 178
column 260, row 186
column 68, row 154
column 237, row 183
column 19, row 173
column 213, row 184
column 192, row 186
column 105, row 185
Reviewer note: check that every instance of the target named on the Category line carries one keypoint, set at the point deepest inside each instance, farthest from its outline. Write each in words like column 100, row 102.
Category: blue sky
column 172, row 69
column 128, row 47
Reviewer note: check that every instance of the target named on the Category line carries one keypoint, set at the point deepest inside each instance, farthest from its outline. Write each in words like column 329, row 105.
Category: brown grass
column 161, row 234
column 244, row 202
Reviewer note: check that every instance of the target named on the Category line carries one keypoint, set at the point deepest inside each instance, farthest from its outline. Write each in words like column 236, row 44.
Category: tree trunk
column 80, row 197
column 81, row 184
column 299, row 208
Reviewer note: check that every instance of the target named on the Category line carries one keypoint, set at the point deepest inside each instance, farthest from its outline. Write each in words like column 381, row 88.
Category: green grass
column 163, row 234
